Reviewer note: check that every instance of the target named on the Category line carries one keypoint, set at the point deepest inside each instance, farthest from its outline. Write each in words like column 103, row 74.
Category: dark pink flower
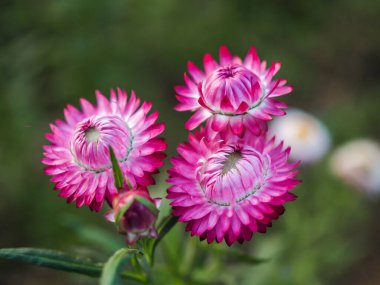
column 232, row 93
column 135, row 213
column 229, row 187
column 78, row 156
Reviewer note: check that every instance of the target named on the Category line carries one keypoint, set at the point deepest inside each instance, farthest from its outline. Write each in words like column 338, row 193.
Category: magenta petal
column 219, row 122
column 237, row 125
column 198, row 118
column 225, row 55
column 195, row 72
column 209, row 63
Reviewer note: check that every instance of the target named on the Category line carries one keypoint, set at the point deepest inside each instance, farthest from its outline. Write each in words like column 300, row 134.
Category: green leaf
column 53, row 259
column 61, row 261
column 111, row 274
column 149, row 205
column 117, row 174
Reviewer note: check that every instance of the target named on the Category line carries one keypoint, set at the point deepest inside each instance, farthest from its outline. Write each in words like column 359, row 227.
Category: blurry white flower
column 358, row 164
column 304, row 133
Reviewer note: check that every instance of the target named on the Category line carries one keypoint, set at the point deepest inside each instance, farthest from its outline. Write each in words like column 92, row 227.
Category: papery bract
column 233, row 93
column 229, row 187
column 78, row 156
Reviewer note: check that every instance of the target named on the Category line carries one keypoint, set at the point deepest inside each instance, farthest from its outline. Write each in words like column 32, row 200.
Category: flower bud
column 135, row 214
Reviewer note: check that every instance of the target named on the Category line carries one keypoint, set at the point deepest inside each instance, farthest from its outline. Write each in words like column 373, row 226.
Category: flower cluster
column 231, row 179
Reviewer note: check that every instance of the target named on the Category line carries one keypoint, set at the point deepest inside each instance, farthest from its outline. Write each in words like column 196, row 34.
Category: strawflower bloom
column 135, row 213
column 229, row 187
column 307, row 136
column 78, row 155
column 358, row 164
column 233, row 93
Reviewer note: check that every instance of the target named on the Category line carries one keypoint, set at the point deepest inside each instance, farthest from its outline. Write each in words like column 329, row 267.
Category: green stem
column 167, row 224
column 150, row 245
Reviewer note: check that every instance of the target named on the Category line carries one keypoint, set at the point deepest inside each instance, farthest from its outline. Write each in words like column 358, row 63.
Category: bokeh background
column 54, row 52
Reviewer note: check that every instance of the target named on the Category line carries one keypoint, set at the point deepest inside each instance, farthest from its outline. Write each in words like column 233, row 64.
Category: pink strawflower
column 78, row 156
column 234, row 93
column 226, row 187
column 136, row 219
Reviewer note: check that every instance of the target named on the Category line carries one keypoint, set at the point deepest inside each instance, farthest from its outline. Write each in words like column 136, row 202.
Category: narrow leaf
column 53, row 259
column 114, row 266
column 117, row 174
column 61, row 261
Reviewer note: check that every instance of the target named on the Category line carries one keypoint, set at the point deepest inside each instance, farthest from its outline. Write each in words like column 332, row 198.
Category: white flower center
column 231, row 162
column 92, row 134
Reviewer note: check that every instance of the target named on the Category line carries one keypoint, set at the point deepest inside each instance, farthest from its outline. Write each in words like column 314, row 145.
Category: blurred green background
column 54, row 52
